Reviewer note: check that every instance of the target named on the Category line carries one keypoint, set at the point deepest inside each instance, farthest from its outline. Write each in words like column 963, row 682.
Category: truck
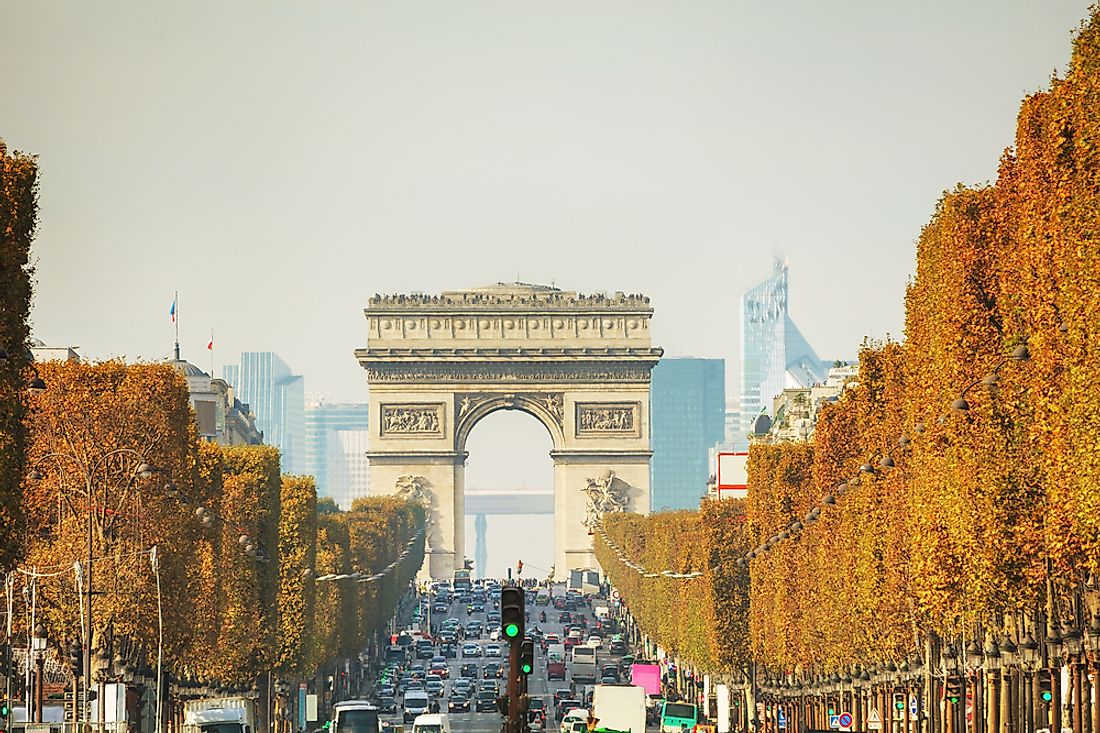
column 231, row 714
column 619, row 708
column 555, row 662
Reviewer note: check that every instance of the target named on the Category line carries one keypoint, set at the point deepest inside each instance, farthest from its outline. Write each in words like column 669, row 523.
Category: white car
column 493, row 650
column 494, row 635
column 595, row 642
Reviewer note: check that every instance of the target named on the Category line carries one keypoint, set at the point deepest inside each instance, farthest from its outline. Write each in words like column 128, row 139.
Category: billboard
column 646, row 676
column 733, row 475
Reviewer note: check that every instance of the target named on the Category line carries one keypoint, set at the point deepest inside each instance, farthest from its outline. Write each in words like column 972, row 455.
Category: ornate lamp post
column 1074, row 646
column 1054, row 669
column 1008, row 671
column 993, row 677
column 1030, row 660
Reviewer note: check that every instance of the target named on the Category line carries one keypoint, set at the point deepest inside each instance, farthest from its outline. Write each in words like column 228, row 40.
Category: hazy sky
column 279, row 162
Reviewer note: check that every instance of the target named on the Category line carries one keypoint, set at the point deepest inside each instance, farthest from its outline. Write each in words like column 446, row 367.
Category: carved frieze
column 605, row 494
column 415, row 420
column 456, row 373
column 602, row 418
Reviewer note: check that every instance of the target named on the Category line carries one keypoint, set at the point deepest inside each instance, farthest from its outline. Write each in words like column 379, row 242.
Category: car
column 478, row 606
column 458, row 703
column 493, row 617
column 617, row 646
column 462, row 683
column 473, row 629
column 435, row 687
column 570, row 604
column 564, row 707
column 493, row 650
column 468, row 670
column 471, row 650
column 440, row 669
column 494, row 635
column 415, row 685
column 559, row 603
column 415, row 703
column 536, row 703
column 610, row 670
column 440, row 607
column 565, row 617
column 492, row 669
column 387, row 703
column 609, row 680
column 486, row 701
column 418, row 671
column 448, row 636
column 594, row 641
column 450, row 650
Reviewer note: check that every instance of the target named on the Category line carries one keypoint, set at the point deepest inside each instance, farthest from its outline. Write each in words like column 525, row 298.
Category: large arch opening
column 509, row 494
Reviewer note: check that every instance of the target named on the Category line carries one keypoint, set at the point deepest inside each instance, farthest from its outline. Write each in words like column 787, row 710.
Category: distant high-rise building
column 774, row 354
column 277, row 398
column 687, row 417
column 336, row 449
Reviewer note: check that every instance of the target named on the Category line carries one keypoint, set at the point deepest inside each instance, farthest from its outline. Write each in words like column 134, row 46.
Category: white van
column 355, row 716
column 416, row 703
column 432, row 723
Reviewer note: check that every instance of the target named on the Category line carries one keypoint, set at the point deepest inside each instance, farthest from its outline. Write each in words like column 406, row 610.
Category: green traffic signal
column 1047, row 697
column 5, row 709
column 527, row 669
column 511, row 631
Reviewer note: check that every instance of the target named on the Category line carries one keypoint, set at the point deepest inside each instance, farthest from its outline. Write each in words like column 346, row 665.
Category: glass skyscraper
column 687, row 417
column 277, row 399
column 774, row 354
column 336, row 449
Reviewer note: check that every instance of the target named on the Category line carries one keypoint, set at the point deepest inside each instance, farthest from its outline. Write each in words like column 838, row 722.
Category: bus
column 676, row 716
column 462, row 580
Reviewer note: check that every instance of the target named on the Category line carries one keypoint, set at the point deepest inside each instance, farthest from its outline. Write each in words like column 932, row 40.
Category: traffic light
column 519, row 567
column 5, row 709
column 953, row 690
column 1045, row 693
column 527, row 657
column 76, row 658
column 899, row 701
column 511, row 612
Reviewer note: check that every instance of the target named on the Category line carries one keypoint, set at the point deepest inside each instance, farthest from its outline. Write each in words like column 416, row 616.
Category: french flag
column 172, row 310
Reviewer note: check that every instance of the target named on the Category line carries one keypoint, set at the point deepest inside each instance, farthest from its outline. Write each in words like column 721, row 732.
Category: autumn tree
column 18, row 221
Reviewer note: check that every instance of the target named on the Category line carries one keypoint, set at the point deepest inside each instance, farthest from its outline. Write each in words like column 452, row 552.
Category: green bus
column 676, row 716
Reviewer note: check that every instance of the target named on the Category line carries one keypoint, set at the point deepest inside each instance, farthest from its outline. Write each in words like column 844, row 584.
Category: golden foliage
column 962, row 531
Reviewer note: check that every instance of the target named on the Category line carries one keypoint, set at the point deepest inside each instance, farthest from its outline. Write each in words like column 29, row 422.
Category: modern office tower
column 277, row 398
column 336, row 449
column 687, row 418
column 774, row 354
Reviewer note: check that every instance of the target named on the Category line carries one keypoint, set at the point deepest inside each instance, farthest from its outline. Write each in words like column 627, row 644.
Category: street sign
column 914, row 706
column 732, row 475
column 845, row 720
column 874, row 720
column 834, row 722
column 615, row 595
column 781, row 718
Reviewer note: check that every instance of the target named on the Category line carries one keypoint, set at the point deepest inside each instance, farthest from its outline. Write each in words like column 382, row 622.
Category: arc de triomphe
column 437, row 364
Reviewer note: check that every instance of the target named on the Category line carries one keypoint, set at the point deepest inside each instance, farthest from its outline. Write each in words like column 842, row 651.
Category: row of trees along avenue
column 939, row 540
column 238, row 546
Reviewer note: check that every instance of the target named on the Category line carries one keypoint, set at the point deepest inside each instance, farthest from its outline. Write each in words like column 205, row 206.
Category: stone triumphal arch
column 437, row 364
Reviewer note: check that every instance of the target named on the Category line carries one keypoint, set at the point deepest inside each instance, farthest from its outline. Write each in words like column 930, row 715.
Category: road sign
column 845, row 720
column 834, row 722
column 874, row 721
column 914, row 706
column 732, row 475
column 781, row 718
column 615, row 595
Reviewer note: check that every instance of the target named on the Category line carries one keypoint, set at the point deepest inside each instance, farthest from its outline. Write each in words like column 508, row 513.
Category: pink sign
column 646, row 676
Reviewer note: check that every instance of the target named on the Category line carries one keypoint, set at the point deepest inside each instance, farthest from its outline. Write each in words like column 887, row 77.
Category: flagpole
column 212, row 357
column 176, row 320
